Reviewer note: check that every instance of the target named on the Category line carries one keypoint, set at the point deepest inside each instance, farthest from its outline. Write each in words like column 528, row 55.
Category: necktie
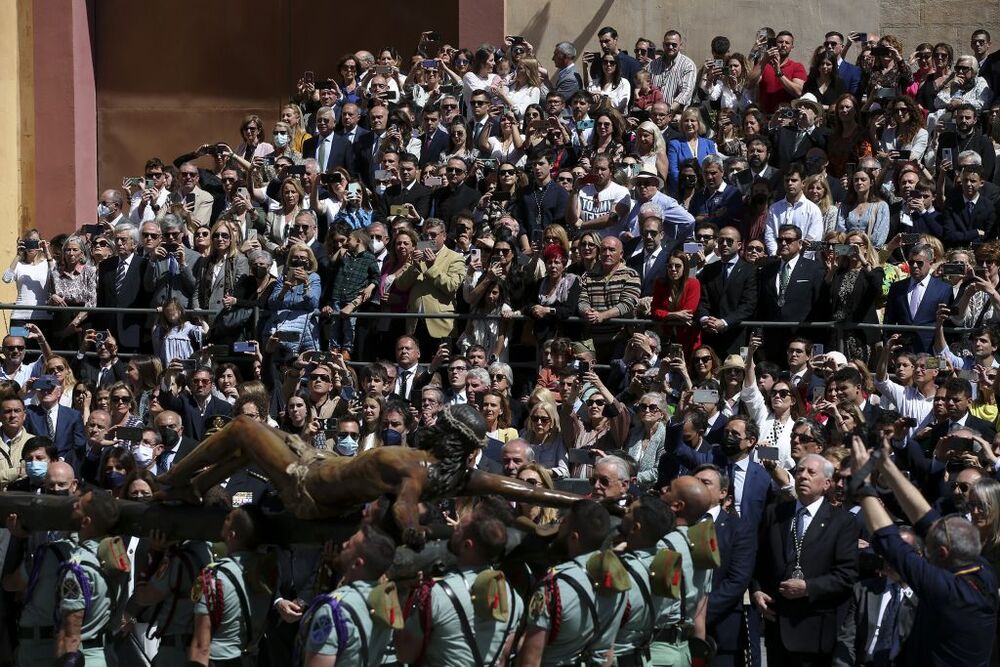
column 800, row 522
column 51, row 424
column 120, row 278
column 969, row 205
column 101, row 377
column 731, row 472
column 798, row 141
column 786, row 273
column 915, row 295
column 321, row 159
column 403, row 375
column 887, row 646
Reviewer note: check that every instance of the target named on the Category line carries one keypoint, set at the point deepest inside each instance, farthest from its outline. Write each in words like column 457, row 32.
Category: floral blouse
column 77, row 288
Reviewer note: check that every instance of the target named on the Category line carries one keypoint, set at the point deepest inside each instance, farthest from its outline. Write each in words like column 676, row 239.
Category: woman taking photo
column 293, row 302
column 906, row 135
column 480, row 75
column 691, row 145
column 347, row 82
column 74, row 283
column 58, row 367
column 609, row 82
column 730, row 90
column 775, row 413
column 864, row 210
column 393, row 296
column 29, row 270
column 855, row 285
column 541, row 430
column 675, row 301
column 605, row 423
column 526, row 88
column 727, row 136
column 889, row 72
column 217, row 274
column 646, row 442
column 508, row 146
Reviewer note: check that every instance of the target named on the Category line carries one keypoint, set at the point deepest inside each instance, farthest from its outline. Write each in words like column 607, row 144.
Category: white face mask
column 103, row 210
column 143, row 455
column 281, row 139
column 378, row 246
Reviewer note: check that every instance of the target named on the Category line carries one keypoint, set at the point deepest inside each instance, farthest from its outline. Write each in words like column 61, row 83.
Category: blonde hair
column 827, row 201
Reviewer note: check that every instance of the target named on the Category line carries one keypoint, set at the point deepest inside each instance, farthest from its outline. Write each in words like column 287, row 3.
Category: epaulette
column 490, row 596
column 607, row 574
column 704, row 545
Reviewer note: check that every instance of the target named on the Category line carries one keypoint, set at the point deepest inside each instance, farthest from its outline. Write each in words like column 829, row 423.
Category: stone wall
column 951, row 21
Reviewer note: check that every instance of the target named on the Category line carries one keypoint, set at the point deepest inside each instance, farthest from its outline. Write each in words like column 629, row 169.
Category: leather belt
column 672, row 635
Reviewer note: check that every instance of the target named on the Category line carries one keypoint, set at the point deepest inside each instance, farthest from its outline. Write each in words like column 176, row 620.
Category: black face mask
column 731, row 444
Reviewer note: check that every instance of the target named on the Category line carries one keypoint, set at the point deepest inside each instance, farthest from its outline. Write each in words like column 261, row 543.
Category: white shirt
column 739, row 477
column 595, row 203
column 53, row 414
column 908, row 401
column 904, row 592
column 803, row 214
column 24, row 372
column 400, row 388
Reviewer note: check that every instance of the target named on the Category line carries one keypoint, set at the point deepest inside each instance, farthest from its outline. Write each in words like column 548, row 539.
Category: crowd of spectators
column 572, row 243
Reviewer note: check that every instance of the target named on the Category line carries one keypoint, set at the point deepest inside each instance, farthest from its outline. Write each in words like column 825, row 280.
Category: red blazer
column 689, row 337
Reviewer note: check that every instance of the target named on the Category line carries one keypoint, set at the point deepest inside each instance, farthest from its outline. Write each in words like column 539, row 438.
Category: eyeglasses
column 702, row 360
column 979, row 41
column 479, row 103
column 498, row 377
column 531, row 481
column 199, row 235
column 961, row 486
column 319, row 377
column 461, row 62
column 454, row 170
column 56, row 369
column 801, row 437
column 564, row 179
column 941, row 56
column 13, row 348
column 785, row 240
column 502, row 251
column 780, row 393
column 154, row 174
column 541, row 419
column 449, row 106
column 831, row 45
column 924, row 55
column 723, row 240
column 901, row 110
column 705, row 237
column 755, row 248
column 220, row 235
column 189, row 174
column 150, row 235
column 201, row 381
column 120, row 399
column 648, row 407
column 507, row 172
column 596, row 401
column 228, row 179
column 651, row 233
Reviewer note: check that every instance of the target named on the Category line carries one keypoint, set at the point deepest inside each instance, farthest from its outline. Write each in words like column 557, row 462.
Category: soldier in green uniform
column 36, row 577
column 685, row 617
column 647, row 520
column 231, row 599
column 351, row 626
column 86, row 593
column 166, row 587
column 571, row 618
column 469, row 616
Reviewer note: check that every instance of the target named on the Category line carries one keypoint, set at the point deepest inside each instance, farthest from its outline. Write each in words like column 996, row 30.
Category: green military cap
column 489, row 596
column 607, row 573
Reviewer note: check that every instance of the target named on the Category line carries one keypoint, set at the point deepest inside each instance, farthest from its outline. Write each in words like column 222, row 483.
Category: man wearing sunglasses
column 63, row 425
column 728, row 294
column 455, row 196
column 849, row 74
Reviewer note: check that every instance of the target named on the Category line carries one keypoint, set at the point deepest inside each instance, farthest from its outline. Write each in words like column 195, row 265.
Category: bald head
column 688, row 498
column 60, row 478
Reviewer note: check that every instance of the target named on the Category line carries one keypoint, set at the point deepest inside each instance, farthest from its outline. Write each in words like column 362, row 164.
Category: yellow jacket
column 433, row 289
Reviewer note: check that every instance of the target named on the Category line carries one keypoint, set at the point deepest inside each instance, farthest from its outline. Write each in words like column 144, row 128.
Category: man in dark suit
column 103, row 372
column 434, row 139
column 969, row 216
column 759, row 149
column 349, row 126
column 329, row 149
column 368, row 145
column 455, row 196
column 915, row 301
column 749, row 484
column 196, row 403
column 407, row 191
column 567, row 79
column 806, row 566
column 64, row 426
column 792, row 143
column 788, row 290
column 957, row 398
column 120, row 284
column 884, row 605
column 176, row 446
column 728, row 294
column 733, row 629
column 849, row 74
column 650, row 259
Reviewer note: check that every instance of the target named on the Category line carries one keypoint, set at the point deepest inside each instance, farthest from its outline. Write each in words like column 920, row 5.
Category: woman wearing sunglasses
column 774, row 413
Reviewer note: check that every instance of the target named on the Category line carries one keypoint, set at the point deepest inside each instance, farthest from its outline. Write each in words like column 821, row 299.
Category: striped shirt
column 619, row 289
column 675, row 80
